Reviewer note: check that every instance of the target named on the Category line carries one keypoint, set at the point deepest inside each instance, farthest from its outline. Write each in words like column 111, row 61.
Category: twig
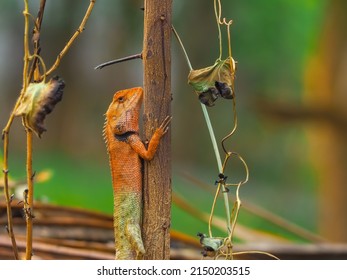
column 8, row 205
column 36, row 38
column 26, row 45
column 29, row 200
column 29, row 195
column 5, row 133
column 130, row 57
column 73, row 38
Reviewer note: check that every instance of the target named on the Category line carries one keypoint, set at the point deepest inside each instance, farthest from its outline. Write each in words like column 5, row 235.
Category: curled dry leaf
column 38, row 101
column 213, row 81
column 210, row 244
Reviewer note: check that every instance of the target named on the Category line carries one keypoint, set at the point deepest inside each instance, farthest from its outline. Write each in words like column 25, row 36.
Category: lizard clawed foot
column 164, row 127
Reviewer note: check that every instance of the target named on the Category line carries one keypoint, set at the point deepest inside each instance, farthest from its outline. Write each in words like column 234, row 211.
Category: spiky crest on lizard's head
column 122, row 114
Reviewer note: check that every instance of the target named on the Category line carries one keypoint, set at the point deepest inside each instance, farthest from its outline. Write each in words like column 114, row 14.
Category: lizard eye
column 121, row 99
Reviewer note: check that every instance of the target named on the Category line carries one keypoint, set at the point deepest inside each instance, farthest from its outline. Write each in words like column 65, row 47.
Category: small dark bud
column 224, row 90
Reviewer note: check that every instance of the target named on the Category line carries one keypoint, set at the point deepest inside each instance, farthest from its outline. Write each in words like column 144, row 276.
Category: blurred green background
column 292, row 121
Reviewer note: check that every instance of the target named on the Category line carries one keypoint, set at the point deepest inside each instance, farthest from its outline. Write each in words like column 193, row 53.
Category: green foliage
column 271, row 39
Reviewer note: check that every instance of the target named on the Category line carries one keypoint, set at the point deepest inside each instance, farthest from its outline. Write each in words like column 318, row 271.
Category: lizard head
column 122, row 115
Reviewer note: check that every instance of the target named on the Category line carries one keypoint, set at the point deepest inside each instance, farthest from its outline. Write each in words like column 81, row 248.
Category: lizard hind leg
column 133, row 233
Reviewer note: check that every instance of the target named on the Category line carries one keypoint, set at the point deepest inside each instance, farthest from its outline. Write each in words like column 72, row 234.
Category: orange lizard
column 125, row 148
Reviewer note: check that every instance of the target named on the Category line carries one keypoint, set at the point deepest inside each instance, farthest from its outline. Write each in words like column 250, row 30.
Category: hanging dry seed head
column 38, row 101
column 214, row 81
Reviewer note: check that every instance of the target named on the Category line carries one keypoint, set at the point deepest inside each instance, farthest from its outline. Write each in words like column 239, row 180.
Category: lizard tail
column 127, row 220
column 133, row 233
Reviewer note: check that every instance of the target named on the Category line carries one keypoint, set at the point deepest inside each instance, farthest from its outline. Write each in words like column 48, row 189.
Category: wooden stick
column 157, row 100
column 127, row 58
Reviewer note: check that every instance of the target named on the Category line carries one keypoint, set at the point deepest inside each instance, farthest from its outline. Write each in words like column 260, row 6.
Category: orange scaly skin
column 124, row 146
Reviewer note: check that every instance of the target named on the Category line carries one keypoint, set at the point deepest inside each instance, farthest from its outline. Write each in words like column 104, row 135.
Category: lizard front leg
column 137, row 145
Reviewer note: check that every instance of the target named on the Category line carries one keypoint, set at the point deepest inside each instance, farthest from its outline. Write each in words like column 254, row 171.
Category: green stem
column 219, row 163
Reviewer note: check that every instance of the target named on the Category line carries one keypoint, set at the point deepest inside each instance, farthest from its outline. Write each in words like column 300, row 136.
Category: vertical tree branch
column 157, row 99
column 29, row 197
column 29, row 194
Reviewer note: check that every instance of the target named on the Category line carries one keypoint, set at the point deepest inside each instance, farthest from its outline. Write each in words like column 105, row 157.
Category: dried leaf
column 38, row 101
column 213, row 81
column 210, row 244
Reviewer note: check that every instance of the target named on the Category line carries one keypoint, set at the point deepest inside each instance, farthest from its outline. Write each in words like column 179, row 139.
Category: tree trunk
column 326, row 88
column 157, row 99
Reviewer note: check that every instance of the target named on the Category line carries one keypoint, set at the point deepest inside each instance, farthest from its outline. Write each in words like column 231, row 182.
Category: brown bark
column 325, row 91
column 157, row 99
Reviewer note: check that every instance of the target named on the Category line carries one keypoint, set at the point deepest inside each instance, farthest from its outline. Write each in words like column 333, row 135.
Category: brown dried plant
column 36, row 99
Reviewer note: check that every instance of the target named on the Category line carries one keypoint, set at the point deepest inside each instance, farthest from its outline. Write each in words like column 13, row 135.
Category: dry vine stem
column 226, row 249
column 27, row 77
column 28, row 201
